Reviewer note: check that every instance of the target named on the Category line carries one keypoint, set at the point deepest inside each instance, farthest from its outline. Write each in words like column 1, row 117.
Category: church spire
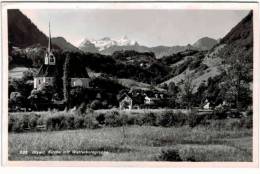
column 49, row 57
column 49, row 45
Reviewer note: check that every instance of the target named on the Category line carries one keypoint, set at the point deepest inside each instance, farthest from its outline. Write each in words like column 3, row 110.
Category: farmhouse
column 135, row 99
column 125, row 102
column 48, row 71
column 130, row 101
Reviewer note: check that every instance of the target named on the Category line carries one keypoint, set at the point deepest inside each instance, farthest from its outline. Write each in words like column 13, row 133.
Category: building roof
column 47, row 71
column 125, row 95
column 138, row 99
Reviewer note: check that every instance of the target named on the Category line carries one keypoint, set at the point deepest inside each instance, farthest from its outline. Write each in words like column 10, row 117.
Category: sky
column 147, row 27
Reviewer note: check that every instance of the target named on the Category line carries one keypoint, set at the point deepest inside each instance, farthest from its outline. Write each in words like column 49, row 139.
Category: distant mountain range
column 23, row 33
column 108, row 46
column 107, row 42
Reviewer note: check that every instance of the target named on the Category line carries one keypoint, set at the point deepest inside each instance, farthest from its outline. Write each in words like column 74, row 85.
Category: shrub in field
column 79, row 122
column 247, row 122
column 11, row 122
column 113, row 119
column 18, row 126
column 23, row 122
column 33, row 120
column 165, row 119
column 55, row 122
column 90, row 121
column 195, row 119
column 219, row 113
column 150, row 119
column 15, row 124
column 188, row 154
column 67, row 122
column 101, row 118
column 41, row 121
column 82, row 108
column 169, row 155
column 135, row 120
column 169, row 118
column 180, row 118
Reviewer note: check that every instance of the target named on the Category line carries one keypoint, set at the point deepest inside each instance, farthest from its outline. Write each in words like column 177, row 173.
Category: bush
column 195, row 119
column 32, row 120
column 220, row 113
column 150, row 119
column 96, row 104
column 67, row 122
column 179, row 119
column 247, row 122
column 101, row 118
column 135, row 120
column 90, row 121
column 79, row 123
column 165, row 119
column 82, row 108
column 55, row 122
column 113, row 119
column 169, row 118
column 23, row 122
column 169, row 155
column 15, row 125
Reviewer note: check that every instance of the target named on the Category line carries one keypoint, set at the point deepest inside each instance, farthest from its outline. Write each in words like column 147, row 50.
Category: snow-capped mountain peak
column 124, row 41
column 107, row 42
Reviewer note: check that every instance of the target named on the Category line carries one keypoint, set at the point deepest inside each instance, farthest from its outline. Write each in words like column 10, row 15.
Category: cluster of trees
column 228, row 87
column 20, row 89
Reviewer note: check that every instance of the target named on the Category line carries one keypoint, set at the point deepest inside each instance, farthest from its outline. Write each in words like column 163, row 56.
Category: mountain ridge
column 205, row 43
column 108, row 46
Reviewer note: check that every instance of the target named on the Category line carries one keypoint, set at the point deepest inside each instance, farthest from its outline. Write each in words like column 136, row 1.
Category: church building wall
column 39, row 81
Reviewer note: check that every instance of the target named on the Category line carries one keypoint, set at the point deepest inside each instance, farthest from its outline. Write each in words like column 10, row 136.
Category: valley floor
column 133, row 143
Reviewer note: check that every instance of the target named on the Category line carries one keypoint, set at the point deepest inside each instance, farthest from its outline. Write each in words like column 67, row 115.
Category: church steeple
column 49, row 57
column 49, row 44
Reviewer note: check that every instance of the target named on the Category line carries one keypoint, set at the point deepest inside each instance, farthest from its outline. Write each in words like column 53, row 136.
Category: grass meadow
column 134, row 143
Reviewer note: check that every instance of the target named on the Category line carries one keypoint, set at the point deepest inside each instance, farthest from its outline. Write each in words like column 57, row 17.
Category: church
column 47, row 72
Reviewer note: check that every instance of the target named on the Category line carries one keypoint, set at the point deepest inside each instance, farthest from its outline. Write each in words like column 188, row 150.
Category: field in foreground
column 133, row 143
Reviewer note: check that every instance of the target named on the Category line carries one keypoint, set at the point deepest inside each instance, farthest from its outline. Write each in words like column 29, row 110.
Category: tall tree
column 186, row 92
column 66, row 81
column 238, row 76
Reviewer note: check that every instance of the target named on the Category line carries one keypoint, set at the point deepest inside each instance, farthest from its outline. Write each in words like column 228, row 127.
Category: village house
column 131, row 100
column 140, row 99
column 125, row 102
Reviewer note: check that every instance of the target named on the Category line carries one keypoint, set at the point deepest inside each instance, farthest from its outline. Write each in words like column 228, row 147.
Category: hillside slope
column 239, row 38
column 205, row 43
column 22, row 32
column 64, row 44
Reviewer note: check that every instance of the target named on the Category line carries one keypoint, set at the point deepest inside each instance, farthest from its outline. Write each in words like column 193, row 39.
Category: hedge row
column 92, row 120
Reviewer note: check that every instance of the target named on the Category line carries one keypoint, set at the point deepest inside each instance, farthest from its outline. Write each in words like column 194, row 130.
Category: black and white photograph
column 124, row 83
